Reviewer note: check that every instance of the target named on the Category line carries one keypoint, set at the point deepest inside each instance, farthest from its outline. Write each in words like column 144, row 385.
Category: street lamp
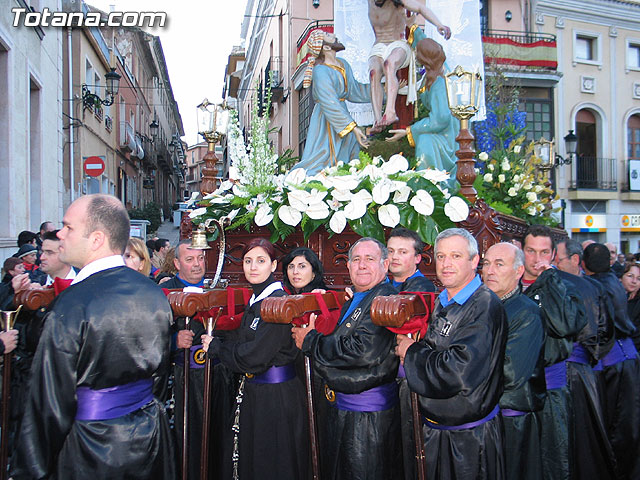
column 153, row 128
column 463, row 92
column 213, row 121
column 112, row 80
column 548, row 158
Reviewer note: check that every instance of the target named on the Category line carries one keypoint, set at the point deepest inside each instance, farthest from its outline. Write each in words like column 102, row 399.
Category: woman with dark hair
column 302, row 271
column 269, row 432
column 631, row 282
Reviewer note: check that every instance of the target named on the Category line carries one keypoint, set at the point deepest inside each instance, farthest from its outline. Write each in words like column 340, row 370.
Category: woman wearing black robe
column 272, row 441
column 631, row 283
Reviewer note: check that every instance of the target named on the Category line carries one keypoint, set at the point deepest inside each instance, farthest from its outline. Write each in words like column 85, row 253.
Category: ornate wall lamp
column 213, row 121
column 90, row 99
column 550, row 159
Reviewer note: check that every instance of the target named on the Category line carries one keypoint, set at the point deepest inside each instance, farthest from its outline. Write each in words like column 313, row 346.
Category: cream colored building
column 31, row 137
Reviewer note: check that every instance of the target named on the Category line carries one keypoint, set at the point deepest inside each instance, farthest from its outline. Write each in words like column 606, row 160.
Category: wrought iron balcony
column 520, row 50
column 594, row 173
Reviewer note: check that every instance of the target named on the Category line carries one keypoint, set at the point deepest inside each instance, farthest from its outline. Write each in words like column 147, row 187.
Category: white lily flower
column 512, row 192
column 341, row 195
column 538, row 188
column 389, row 215
column 483, row 156
column 531, row 196
column 289, row 215
column 299, row 199
column 456, row 209
column 516, row 178
column 501, row 178
column 197, row 212
column 381, row 191
column 488, row 177
column 517, row 149
column 338, row 222
column 435, row 176
column 396, row 163
column 317, row 210
column 296, row 176
column 354, row 209
column 264, row 215
column 527, row 186
column 422, row 202
column 402, row 194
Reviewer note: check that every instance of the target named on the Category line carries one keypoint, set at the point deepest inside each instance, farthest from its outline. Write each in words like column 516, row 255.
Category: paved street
column 168, row 231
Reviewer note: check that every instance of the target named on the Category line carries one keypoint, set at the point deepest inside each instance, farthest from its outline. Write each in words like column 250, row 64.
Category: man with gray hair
column 524, row 384
column 91, row 410
column 362, row 430
column 457, row 369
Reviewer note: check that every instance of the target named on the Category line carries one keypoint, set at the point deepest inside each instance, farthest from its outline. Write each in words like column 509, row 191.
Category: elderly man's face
column 190, row 263
column 497, row 269
column 454, row 268
column 366, row 267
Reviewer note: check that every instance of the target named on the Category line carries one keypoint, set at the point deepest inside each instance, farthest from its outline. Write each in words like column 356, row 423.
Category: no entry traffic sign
column 93, row 166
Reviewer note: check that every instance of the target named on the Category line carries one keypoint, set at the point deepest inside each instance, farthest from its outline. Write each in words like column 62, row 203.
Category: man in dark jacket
column 524, row 384
column 457, row 369
column 620, row 369
column 357, row 362
column 405, row 254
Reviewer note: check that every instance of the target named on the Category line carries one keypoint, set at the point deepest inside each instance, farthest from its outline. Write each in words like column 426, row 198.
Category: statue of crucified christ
column 391, row 52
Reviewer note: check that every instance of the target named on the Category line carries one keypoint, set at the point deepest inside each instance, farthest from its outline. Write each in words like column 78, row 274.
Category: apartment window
column 633, row 55
column 305, row 108
column 539, row 118
column 633, row 137
column 586, row 47
column 89, row 76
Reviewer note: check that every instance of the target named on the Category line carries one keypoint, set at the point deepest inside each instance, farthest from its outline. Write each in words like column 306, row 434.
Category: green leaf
column 368, row 226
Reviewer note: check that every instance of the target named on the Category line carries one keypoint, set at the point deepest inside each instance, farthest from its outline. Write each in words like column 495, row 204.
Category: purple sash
column 401, row 372
column 274, row 375
column 622, row 350
column 579, row 355
column 113, row 402
column 464, row 426
column 197, row 357
column 556, row 375
column 376, row 399
column 507, row 412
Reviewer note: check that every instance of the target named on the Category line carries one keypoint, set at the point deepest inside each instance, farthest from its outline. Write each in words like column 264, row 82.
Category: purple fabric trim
column 556, row 375
column 401, row 372
column 179, row 359
column 507, row 412
column 464, row 426
column 275, row 375
column 376, row 399
column 579, row 355
column 598, row 366
column 113, row 402
column 622, row 350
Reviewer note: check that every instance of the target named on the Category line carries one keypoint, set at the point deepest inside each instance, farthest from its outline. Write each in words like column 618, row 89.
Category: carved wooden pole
column 466, row 174
column 209, row 171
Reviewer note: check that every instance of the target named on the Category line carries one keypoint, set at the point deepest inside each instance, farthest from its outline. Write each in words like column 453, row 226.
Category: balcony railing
column 127, row 137
column 594, row 173
column 522, row 50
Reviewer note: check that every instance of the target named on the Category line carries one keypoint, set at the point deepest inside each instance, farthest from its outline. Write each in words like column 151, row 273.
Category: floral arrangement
column 510, row 183
column 368, row 194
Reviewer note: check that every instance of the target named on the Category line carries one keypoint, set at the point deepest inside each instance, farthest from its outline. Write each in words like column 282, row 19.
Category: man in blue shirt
column 457, row 369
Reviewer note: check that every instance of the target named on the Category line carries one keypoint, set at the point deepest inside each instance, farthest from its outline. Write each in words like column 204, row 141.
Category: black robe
column 417, row 284
column 593, row 454
column 564, row 318
column 273, row 438
column 524, row 388
column 459, row 377
column 108, row 330
column 622, row 402
column 196, row 390
column 358, row 356
column 633, row 309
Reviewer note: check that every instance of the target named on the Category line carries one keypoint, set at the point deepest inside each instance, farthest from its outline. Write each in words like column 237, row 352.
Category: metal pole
column 206, row 405
column 313, row 436
column 185, row 407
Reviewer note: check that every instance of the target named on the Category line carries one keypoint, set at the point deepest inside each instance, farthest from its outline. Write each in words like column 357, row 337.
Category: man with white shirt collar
column 50, row 262
column 102, row 359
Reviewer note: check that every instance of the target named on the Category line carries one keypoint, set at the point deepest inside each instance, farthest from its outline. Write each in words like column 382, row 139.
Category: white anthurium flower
column 233, row 214
column 501, row 178
column 316, row 196
column 531, row 196
column 211, row 195
column 512, row 192
column 317, row 210
column 435, row 176
column 456, row 209
column 355, row 162
column 483, row 156
column 377, row 160
column 402, row 194
column 382, row 191
column 299, row 199
column 354, row 209
column 194, row 197
column 491, row 167
column 445, row 192
column 251, row 207
column 197, row 212
column 289, row 215
column 517, row 149
column 239, row 191
column 296, row 176
column 226, row 185
column 364, row 196
column 264, row 215
column 389, row 215
column 353, row 170
column 373, row 172
column 506, row 166
column 342, row 182
column 488, row 177
column 396, row 163
column 341, row 195
column 338, row 222
column 340, row 164
column 219, row 200
column 334, row 204
column 422, row 202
